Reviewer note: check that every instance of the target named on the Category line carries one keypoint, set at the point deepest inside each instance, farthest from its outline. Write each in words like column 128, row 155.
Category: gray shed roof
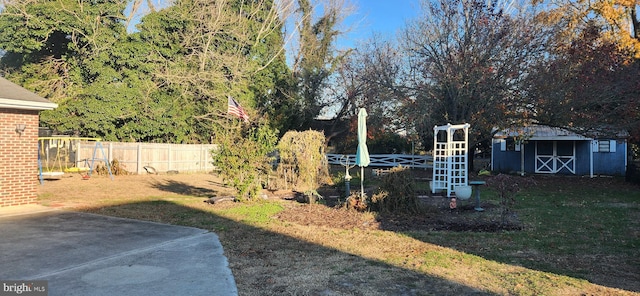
column 543, row 132
column 13, row 96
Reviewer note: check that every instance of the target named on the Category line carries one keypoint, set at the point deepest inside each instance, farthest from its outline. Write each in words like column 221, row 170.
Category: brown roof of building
column 13, row 96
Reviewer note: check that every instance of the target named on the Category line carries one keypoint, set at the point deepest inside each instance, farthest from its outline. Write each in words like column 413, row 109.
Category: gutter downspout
column 521, row 159
column 492, row 149
column 626, row 158
column 591, row 158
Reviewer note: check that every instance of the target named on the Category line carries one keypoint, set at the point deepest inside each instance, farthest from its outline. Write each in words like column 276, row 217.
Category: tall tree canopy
column 208, row 50
column 68, row 51
column 588, row 81
column 315, row 57
column 620, row 20
column 591, row 85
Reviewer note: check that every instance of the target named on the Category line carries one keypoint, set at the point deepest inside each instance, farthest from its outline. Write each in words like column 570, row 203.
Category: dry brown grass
column 281, row 247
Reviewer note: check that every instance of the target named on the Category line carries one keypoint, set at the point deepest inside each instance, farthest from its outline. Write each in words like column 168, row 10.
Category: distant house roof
column 544, row 132
column 13, row 96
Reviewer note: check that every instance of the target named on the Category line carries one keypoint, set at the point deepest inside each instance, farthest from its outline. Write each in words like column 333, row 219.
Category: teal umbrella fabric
column 362, row 155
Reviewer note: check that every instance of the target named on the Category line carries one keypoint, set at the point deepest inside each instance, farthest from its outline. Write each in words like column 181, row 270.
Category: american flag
column 234, row 108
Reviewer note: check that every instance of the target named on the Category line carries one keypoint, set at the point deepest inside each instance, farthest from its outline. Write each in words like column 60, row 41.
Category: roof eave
column 560, row 138
column 26, row 105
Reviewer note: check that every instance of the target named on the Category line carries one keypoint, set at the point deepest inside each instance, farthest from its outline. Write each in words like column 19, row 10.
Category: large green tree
column 204, row 51
column 169, row 81
column 209, row 50
column 59, row 49
column 79, row 55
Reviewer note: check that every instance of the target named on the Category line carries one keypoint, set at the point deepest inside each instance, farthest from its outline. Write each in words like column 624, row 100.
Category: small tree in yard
column 507, row 187
column 242, row 158
column 302, row 165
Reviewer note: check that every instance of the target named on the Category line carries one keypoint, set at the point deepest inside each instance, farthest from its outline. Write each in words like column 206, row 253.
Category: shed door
column 555, row 157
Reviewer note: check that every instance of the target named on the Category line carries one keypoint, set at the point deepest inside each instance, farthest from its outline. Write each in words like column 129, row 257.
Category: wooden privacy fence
column 385, row 160
column 160, row 157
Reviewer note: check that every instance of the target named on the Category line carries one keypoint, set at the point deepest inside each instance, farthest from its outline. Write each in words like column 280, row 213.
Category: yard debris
column 219, row 199
column 150, row 170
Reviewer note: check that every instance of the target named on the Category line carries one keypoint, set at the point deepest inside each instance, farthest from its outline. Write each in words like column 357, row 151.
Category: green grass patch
column 571, row 228
column 256, row 213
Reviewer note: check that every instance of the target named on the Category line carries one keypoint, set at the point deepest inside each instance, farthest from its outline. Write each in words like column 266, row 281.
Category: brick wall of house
column 18, row 157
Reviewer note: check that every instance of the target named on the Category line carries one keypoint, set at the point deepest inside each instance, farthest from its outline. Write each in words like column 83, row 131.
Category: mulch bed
column 434, row 217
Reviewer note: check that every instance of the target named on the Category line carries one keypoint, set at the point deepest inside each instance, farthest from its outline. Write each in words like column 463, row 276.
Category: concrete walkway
column 87, row 254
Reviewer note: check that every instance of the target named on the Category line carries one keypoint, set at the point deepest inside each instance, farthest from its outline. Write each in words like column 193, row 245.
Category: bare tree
column 371, row 76
column 468, row 60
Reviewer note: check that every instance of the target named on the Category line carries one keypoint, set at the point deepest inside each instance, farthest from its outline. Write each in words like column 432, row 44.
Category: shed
column 19, row 117
column 553, row 150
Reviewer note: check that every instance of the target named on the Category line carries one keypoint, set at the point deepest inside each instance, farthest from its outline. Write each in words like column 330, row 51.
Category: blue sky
column 383, row 17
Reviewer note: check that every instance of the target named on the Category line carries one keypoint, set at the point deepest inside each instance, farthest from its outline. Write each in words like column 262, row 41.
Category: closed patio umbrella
column 362, row 155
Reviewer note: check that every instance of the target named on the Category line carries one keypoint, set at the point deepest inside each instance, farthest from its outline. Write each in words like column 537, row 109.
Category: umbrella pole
column 362, row 184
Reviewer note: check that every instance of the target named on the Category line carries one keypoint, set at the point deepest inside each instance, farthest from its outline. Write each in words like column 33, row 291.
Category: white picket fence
column 385, row 160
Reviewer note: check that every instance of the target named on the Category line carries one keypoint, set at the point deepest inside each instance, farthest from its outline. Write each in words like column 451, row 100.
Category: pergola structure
column 450, row 157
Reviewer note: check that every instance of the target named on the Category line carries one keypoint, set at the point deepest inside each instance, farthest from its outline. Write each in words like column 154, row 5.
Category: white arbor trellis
column 450, row 157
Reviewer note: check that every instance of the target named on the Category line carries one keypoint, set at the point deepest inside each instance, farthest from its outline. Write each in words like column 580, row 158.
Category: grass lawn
column 580, row 236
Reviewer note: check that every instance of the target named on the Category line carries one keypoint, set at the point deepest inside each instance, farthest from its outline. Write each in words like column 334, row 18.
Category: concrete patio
column 87, row 254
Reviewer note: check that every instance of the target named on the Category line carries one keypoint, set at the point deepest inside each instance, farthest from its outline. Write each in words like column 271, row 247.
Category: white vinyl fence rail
column 385, row 160
column 161, row 157
column 197, row 157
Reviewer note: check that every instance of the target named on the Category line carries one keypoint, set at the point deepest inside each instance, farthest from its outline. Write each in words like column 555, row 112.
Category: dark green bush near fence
column 242, row 158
